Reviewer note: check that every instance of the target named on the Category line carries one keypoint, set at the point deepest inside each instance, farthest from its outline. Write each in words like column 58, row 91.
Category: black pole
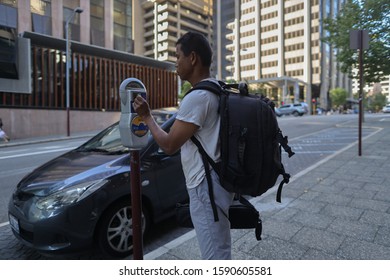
column 360, row 90
column 136, row 204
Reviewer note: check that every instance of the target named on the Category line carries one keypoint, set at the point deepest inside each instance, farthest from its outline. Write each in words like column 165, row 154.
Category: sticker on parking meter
column 138, row 127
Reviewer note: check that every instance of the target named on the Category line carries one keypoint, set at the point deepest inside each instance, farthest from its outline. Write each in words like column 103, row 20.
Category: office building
column 166, row 20
column 277, row 44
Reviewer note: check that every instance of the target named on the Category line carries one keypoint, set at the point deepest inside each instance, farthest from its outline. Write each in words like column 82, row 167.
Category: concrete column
column 258, row 40
column 138, row 37
column 24, row 15
column 85, row 22
column 109, row 24
column 57, row 19
column 307, row 71
column 281, row 63
column 236, row 52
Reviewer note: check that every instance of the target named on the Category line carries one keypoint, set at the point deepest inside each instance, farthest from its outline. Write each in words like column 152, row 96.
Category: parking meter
column 134, row 135
column 133, row 130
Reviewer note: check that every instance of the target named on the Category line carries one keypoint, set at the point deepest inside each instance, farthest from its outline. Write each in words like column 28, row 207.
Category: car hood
column 68, row 169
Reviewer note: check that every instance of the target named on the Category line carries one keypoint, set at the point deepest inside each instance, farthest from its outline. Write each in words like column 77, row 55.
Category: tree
column 338, row 96
column 185, row 87
column 376, row 101
column 370, row 15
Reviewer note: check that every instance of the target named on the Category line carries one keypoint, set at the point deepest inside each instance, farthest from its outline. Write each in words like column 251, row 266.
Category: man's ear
column 193, row 58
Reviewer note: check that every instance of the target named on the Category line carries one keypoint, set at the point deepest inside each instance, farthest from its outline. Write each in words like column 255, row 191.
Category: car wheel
column 295, row 113
column 115, row 232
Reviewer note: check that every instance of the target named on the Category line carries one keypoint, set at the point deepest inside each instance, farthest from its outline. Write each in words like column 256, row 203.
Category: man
column 198, row 116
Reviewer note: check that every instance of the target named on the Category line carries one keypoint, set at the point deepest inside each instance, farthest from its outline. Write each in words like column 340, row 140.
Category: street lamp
column 79, row 11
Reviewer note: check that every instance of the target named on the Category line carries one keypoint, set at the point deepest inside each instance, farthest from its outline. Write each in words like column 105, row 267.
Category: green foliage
column 376, row 101
column 185, row 87
column 338, row 96
column 370, row 15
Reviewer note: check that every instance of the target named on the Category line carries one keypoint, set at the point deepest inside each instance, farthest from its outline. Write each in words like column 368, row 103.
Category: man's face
column 183, row 64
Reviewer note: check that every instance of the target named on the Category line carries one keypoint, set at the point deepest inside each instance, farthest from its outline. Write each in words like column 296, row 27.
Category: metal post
column 136, row 204
column 67, row 78
column 358, row 39
column 360, row 91
column 79, row 11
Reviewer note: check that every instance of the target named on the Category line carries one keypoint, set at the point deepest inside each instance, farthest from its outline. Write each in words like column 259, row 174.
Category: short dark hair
column 196, row 42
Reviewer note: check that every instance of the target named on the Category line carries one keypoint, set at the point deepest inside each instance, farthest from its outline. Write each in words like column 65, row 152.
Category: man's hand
column 142, row 107
column 170, row 142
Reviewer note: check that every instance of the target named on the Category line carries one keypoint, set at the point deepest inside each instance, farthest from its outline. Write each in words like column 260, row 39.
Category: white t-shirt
column 199, row 107
column 2, row 134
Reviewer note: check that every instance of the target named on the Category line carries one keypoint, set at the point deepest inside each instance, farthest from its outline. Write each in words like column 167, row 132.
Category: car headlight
column 69, row 195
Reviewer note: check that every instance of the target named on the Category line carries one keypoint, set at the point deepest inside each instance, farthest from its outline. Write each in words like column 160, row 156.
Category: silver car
column 386, row 109
column 291, row 109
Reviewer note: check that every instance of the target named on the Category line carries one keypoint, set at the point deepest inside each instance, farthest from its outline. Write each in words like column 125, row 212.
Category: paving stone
column 355, row 249
column 376, row 218
column 370, row 204
column 354, row 229
column 313, row 220
column 319, row 239
column 271, row 248
column 383, row 236
column 342, row 211
column 310, row 206
column 281, row 229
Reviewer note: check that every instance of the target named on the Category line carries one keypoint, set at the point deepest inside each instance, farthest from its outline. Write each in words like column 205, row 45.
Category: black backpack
column 251, row 142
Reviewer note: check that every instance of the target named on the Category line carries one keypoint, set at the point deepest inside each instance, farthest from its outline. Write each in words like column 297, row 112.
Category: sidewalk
column 338, row 210
column 43, row 139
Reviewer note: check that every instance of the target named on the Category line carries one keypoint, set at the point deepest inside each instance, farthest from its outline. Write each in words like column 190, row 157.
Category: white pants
column 213, row 237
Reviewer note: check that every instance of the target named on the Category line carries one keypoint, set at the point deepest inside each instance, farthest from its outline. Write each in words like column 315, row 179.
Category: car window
column 297, row 105
column 109, row 141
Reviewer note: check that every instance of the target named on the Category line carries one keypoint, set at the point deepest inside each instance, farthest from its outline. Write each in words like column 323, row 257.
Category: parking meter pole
column 134, row 135
column 136, row 204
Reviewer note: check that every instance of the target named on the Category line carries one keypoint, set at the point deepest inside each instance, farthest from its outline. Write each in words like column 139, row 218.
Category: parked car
column 81, row 199
column 305, row 107
column 386, row 109
column 291, row 109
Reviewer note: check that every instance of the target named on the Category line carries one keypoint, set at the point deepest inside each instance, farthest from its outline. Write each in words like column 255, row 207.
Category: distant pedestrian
column 3, row 135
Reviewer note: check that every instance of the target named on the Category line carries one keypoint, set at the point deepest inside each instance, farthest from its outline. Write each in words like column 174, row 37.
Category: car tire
column 115, row 235
column 295, row 114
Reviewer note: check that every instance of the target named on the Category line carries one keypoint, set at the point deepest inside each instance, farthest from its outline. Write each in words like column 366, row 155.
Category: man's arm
column 169, row 142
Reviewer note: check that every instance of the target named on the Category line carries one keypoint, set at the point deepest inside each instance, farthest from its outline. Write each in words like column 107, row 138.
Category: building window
column 74, row 24
column 123, row 26
column 41, row 16
column 8, row 15
column 97, row 22
column 8, row 35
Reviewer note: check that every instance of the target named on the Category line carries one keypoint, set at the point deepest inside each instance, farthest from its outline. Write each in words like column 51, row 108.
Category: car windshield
column 109, row 140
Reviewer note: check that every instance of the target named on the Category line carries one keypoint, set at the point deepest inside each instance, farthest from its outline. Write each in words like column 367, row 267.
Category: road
column 313, row 138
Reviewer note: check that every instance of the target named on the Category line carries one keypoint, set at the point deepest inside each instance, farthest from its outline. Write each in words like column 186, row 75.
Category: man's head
column 192, row 51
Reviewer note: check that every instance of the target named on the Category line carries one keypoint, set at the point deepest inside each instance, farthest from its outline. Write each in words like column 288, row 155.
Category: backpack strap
column 258, row 227
column 208, row 85
column 286, row 179
column 206, row 161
